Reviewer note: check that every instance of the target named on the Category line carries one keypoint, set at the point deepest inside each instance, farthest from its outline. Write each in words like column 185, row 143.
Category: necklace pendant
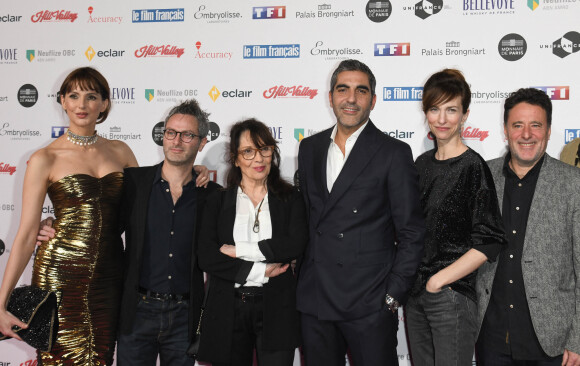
column 256, row 227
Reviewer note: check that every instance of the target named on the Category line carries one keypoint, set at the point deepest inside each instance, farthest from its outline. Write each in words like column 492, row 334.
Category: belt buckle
column 243, row 297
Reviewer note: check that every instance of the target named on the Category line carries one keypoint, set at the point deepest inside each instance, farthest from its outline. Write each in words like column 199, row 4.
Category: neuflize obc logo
column 158, row 15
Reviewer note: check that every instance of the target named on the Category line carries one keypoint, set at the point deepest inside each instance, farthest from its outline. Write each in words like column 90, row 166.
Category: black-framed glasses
column 249, row 153
column 185, row 136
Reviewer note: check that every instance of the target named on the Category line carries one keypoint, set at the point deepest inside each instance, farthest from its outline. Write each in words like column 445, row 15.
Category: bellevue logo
column 269, row 12
column 149, row 94
column 392, row 49
column 30, row 55
column 556, row 92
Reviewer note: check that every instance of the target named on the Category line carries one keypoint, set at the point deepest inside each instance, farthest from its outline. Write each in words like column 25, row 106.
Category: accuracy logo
column 102, row 19
column 211, row 54
column 392, row 49
column 158, row 15
column 269, row 12
column 555, row 92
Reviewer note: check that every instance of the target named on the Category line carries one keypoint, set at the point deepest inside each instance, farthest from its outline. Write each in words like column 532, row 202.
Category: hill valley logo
column 159, row 51
column 6, row 168
column 295, row 91
column 48, row 16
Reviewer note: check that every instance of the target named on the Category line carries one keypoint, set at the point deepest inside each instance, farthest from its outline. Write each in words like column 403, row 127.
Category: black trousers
column 488, row 357
column 248, row 335
column 371, row 341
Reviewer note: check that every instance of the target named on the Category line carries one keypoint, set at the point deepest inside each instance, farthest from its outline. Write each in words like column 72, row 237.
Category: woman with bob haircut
column 252, row 230
column 464, row 229
column 82, row 173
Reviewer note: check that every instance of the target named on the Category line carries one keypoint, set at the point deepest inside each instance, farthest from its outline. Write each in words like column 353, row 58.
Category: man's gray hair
column 191, row 107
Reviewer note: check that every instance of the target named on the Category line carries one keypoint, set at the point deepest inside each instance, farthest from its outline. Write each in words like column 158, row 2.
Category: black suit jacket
column 280, row 318
column 137, row 190
column 352, row 261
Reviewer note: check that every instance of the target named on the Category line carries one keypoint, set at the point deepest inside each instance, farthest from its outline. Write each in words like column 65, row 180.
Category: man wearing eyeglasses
column 163, row 285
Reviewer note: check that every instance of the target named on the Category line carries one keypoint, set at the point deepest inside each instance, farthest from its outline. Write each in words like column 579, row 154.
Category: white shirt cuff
column 249, row 251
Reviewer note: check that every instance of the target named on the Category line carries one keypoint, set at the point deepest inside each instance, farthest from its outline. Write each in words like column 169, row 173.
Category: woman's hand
column 202, row 175
column 7, row 324
column 46, row 231
column 229, row 250
column 433, row 285
column 276, row 269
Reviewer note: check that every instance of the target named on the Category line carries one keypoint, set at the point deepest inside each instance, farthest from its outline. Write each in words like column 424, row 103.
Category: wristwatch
column 392, row 304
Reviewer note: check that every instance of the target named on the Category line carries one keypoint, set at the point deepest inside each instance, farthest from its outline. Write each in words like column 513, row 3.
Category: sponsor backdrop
column 271, row 60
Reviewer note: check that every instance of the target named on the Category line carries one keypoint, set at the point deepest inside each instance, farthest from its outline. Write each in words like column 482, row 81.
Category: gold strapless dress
column 83, row 264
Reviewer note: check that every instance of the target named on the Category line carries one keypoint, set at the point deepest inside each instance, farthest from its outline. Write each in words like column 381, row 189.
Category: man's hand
column 570, row 358
column 276, row 269
column 202, row 175
column 46, row 232
column 229, row 250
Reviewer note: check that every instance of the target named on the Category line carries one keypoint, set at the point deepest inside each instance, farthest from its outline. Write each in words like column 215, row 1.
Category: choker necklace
column 81, row 140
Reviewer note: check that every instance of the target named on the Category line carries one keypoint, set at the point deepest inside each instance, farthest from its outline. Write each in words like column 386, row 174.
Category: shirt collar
column 158, row 177
column 508, row 171
column 354, row 135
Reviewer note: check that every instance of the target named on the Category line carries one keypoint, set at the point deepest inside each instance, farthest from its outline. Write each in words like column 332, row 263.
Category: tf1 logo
column 269, row 12
column 556, row 92
column 392, row 49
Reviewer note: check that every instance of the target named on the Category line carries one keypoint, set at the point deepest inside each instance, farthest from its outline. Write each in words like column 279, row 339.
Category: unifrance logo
column 555, row 92
column 149, row 94
column 159, row 51
column 158, row 15
column 402, row 93
column 6, row 168
column 571, row 134
column 214, row 93
column 568, row 44
column 426, row 8
column 271, row 51
column 392, row 49
column 269, row 12
column 281, row 91
column 533, row 4
column 54, row 16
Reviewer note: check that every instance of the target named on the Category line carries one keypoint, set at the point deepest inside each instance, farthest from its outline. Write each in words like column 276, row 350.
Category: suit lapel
column 540, row 201
column 141, row 206
column 320, row 149
column 362, row 153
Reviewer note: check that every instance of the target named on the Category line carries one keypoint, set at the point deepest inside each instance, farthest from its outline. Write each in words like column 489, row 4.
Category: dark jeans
column 160, row 328
column 441, row 328
column 248, row 334
column 371, row 340
column 488, row 357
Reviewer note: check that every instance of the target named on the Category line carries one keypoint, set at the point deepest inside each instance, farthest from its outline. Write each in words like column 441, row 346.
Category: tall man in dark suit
column 529, row 299
column 163, row 287
column 366, row 230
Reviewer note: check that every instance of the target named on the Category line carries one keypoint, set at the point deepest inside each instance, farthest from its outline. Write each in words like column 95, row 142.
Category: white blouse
column 246, row 239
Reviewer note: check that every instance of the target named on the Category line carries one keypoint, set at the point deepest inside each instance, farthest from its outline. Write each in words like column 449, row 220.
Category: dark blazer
column 137, row 190
column 280, row 318
column 352, row 261
column 550, row 257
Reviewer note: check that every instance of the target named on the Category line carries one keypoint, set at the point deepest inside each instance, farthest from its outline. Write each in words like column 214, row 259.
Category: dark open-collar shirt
column 168, row 246
column 507, row 326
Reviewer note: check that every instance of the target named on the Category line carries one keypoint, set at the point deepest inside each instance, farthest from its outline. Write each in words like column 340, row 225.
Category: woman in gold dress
column 83, row 176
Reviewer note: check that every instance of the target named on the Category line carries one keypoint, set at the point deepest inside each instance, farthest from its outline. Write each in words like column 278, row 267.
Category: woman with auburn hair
column 464, row 229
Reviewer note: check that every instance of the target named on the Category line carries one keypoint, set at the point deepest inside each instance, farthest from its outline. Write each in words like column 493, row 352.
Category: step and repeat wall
column 271, row 60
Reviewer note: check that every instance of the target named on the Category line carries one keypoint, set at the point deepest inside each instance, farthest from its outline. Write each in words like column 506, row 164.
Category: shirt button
column 519, row 184
column 511, row 306
column 172, row 233
column 511, row 281
column 170, row 255
column 514, row 231
column 169, row 277
column 517, row 208
column 340, row 236
column 166, row 189
column 511, row 255
column 173, row 211
column 354, row 210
